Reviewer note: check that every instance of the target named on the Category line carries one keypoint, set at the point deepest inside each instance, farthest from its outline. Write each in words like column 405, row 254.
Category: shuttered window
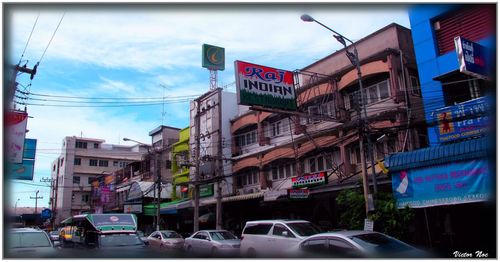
column 473, row 22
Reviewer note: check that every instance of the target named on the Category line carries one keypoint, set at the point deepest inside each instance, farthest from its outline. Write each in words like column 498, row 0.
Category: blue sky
column 142, row 52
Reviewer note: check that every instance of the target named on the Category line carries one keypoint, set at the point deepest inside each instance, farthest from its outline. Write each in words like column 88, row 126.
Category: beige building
column 81, row 161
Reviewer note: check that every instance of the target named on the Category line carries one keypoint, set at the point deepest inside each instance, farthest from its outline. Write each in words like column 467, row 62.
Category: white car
column 166, row 239
column 215, row 243
column 271, row 238
column 354, row 244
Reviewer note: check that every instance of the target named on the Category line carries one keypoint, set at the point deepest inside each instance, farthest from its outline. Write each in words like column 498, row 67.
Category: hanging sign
column 264, row 86
column 472, row 58
column 25, row 169
column 15, row 122
column 309, row 180
column 298, row 193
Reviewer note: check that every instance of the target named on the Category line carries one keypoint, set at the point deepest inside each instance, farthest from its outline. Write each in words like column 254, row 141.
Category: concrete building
column 271, row 150
column 81, row 162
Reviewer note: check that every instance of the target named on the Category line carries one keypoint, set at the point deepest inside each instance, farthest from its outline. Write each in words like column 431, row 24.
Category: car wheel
column 251, row 253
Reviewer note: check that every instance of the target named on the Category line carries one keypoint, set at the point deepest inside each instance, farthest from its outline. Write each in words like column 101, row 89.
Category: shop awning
column 150, row 210
column 469, row 149
column 235, row 198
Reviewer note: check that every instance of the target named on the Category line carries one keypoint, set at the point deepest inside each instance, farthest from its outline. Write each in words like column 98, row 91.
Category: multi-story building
column 82, row 160
column 450, row 185
column 271, row 150
column 180, row 165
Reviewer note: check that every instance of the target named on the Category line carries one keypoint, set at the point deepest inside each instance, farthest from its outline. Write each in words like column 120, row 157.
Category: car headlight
column 225, row 246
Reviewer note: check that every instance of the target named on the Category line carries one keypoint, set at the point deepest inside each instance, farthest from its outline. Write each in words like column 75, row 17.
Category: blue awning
column 469, row 149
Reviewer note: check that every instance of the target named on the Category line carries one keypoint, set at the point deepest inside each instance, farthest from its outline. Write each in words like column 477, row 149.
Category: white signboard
column 132, row 208
column 368, row 225
column 16, row 131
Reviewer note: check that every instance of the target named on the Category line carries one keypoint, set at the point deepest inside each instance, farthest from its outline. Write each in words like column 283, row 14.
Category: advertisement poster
column 264, row 86
column 453, row 183
column 15, row 122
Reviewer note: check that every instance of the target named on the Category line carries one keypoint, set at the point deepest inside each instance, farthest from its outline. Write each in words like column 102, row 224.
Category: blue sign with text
column 473, row 58
column 46, row 214
column 453, row 183
column 463, row 120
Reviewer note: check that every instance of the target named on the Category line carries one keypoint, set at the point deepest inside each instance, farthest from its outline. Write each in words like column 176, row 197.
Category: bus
column 100, row 231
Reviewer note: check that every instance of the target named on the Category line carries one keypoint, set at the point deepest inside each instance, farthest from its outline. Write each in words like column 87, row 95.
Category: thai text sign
column 452, row 183
column 207, row 190
column 213, row 57
column 472, row 58
column 309, row 180
column 15, row 122
column 463, row 120
column 264, row 86
column 298, row 193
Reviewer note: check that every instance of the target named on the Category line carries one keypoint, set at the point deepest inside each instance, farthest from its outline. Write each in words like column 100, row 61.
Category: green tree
column 387, row 217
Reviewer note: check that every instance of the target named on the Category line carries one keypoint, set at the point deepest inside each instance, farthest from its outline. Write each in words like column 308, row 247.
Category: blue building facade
column 450, row 185
column 438, row 66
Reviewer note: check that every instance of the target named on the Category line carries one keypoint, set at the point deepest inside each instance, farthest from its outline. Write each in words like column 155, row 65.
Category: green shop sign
column 207, row 190
column 213, row 57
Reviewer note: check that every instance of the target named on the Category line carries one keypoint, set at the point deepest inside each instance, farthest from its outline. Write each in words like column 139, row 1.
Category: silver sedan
column 166, row 239
column 216, row 243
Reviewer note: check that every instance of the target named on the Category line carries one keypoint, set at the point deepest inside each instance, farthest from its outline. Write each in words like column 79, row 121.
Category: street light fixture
column 354, row 58
column 158, row 178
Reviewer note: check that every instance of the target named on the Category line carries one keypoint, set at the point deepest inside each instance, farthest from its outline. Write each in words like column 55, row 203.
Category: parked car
column 270, row 238
column 354, row 244
column 216, row 243
column 54, row 235
column 166, row 239
column 143, row 237
column 29, row 243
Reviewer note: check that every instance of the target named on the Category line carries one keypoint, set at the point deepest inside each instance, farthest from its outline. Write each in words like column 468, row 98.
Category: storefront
column 452, row 191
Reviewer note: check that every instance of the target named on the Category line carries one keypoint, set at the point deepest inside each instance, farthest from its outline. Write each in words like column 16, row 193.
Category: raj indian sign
column 264, row 86
column 309, row 180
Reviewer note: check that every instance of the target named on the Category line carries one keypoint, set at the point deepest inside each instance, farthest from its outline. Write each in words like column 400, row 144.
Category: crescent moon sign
column 213, row 58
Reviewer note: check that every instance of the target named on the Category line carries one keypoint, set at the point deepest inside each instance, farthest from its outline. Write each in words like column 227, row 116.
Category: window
column 341, row 248
column 279, row 230
column 312, row 165
column 415, row 87
column 314, row 245
column 93, row 162
column 78, row 161
column 313, row 111
column 282, row 171
column 76, row 180
column 247, row 138
column 257, row 229
column 115, row 163
column 85, row 198
column 276, row 129
column 80, row 144
column 377, row 92
column 89, row 180
column 103, row 162
column 319, row 163
column 249, row 178
column 96, row 145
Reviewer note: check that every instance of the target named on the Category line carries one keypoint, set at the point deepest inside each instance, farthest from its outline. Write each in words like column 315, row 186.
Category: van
column 272, row 238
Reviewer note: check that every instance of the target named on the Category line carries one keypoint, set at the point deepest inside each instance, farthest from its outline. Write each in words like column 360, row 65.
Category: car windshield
column 304, row 228
column 29, row 239
column 119, row 240
column 381, row 244
column 170, row 234
column 222, row 235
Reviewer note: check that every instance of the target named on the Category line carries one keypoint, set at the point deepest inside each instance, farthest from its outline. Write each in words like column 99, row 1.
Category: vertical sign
column 25, row 169
column 213, row 57
column 16, row 122
column 264, row 86
column 472, row 58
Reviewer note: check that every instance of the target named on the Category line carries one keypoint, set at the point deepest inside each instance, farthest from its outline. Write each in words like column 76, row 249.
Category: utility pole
column 158, row 184
column 219, row 164
column 36, row 200
column 13, row 84
column 196, row 193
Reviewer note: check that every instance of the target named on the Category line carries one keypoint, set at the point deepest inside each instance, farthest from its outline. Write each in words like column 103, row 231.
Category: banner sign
column 298, row 193
column 25, row 169
column 132, row 208
column 15, row 122
column 213, row 57
column 452, row 183
column 463, row 120
column 264, row 86
column 309, row 180
column 207, row 190
column 472, row 58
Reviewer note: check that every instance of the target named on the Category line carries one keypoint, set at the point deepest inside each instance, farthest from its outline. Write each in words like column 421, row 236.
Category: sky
column 136, row 55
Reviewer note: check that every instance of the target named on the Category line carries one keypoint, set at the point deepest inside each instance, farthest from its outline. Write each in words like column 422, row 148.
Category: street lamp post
column 354, row 58
column 158, row 179
column 15, row 207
